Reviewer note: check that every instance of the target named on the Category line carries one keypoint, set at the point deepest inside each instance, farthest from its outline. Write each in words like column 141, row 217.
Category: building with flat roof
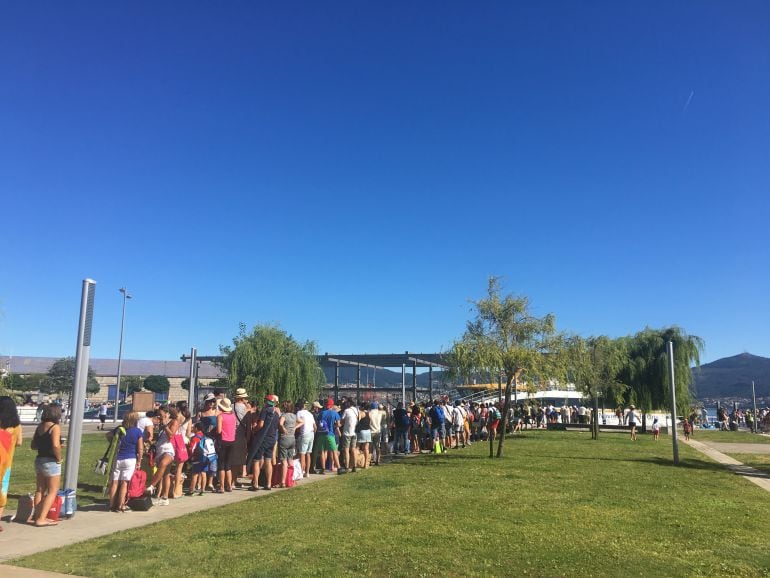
column 106, row 371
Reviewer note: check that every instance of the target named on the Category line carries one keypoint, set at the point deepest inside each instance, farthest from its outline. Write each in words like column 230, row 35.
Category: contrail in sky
column 689, row 98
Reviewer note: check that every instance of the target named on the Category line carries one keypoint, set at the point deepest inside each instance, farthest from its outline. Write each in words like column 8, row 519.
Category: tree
column 157, row 383
column 504, row 338
column 647, row 370
column 61, row 378
column 595, row 364
column 269, row 360
column 131, row 383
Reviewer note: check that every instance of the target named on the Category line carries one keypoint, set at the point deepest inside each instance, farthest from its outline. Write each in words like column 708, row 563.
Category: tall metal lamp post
column 126, row 296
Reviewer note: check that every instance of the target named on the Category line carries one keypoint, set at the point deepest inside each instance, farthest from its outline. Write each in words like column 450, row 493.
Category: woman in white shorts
column 164, row 454
column 129, row 454
column 364, row 433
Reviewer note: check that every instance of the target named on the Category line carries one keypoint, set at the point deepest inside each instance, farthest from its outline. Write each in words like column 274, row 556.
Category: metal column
column 77, row 406
column 403, row 384
column 358, row 384
column 430, row 382
column 414, row 381
column 337, row 382
column 191, row 394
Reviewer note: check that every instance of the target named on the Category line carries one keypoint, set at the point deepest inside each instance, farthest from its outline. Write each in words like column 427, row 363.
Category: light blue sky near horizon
column 355, row 172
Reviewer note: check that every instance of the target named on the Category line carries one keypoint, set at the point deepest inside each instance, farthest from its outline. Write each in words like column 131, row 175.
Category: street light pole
column 126, row 296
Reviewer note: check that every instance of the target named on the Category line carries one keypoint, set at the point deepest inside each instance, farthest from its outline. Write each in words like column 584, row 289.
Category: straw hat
column 316, row 405
column 240, row 393
column 225, row 405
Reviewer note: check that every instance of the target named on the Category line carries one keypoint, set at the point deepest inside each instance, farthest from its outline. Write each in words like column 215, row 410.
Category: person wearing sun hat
column 241, row 409
column 226, row 432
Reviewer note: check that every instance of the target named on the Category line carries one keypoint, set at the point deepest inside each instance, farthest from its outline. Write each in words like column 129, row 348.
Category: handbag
column 180, row 449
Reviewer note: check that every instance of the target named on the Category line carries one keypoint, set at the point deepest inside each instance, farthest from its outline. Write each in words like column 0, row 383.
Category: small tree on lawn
column 647, row 370
column 595, row 365
column 504, row 338
column 269, row 360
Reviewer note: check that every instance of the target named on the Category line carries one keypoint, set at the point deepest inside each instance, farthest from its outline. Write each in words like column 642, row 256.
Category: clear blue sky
column 355, row 171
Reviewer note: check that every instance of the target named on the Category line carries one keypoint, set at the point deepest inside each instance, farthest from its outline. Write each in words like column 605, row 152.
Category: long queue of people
column 242, row 444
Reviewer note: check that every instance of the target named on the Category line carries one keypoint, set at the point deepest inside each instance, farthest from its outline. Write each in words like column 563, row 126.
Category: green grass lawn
column 559, row 504
column 89, row 483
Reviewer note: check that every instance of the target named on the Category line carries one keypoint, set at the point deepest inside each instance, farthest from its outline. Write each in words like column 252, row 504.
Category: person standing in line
column 329, row 425
column 375, row 425
column 226, row 423
column 458, row 423
column 349, row 423
column 10, row 439
column 262, row 450
column 306, row 437
column 401, row 422
column 102, row 415
column 241, row 408
column 631, row 419
column 129, row 454
column 364, row 432
column 164, row 455
column 47, row 442
column 288, row 425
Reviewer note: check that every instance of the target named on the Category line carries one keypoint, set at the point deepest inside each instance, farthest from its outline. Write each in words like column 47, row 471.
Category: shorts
column 102, row 418
column 348, row 441
column 163, row 450
column 306, row 443
column 328, row 443
column 286, row 453
column 203, row 467
column 458, row 429
column 123, row 470
column 264, row 452
column 224, row 455
column 364, row 436
column 47, row 467
column 376, row 437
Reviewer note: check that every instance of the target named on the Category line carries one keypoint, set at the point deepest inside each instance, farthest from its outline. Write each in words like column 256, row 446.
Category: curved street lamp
column 126, row 296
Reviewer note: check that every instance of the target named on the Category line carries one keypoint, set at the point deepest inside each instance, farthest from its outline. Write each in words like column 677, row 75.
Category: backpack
column 137, row 484
column 404, row 420
column 208, row 450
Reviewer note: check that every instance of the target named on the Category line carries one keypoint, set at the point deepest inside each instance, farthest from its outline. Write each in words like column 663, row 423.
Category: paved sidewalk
column 753, row 475
column 19, row 540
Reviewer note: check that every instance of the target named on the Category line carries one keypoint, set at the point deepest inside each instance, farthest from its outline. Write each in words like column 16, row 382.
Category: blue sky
column 355, row 171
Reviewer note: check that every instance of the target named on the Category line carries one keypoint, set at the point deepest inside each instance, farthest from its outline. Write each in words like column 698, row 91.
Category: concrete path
column 739, row 448
column 753, row 475
column 18, row 540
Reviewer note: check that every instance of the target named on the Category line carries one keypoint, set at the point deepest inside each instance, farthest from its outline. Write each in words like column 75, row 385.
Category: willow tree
column 504, row 338
column 596, row 365
column 269, row 360
column 647, row 372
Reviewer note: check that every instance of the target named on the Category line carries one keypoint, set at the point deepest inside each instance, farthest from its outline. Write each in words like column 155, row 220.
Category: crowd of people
column 242, row 443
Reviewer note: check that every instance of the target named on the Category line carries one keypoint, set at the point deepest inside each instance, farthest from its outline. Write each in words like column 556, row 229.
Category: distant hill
column 731, row 377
